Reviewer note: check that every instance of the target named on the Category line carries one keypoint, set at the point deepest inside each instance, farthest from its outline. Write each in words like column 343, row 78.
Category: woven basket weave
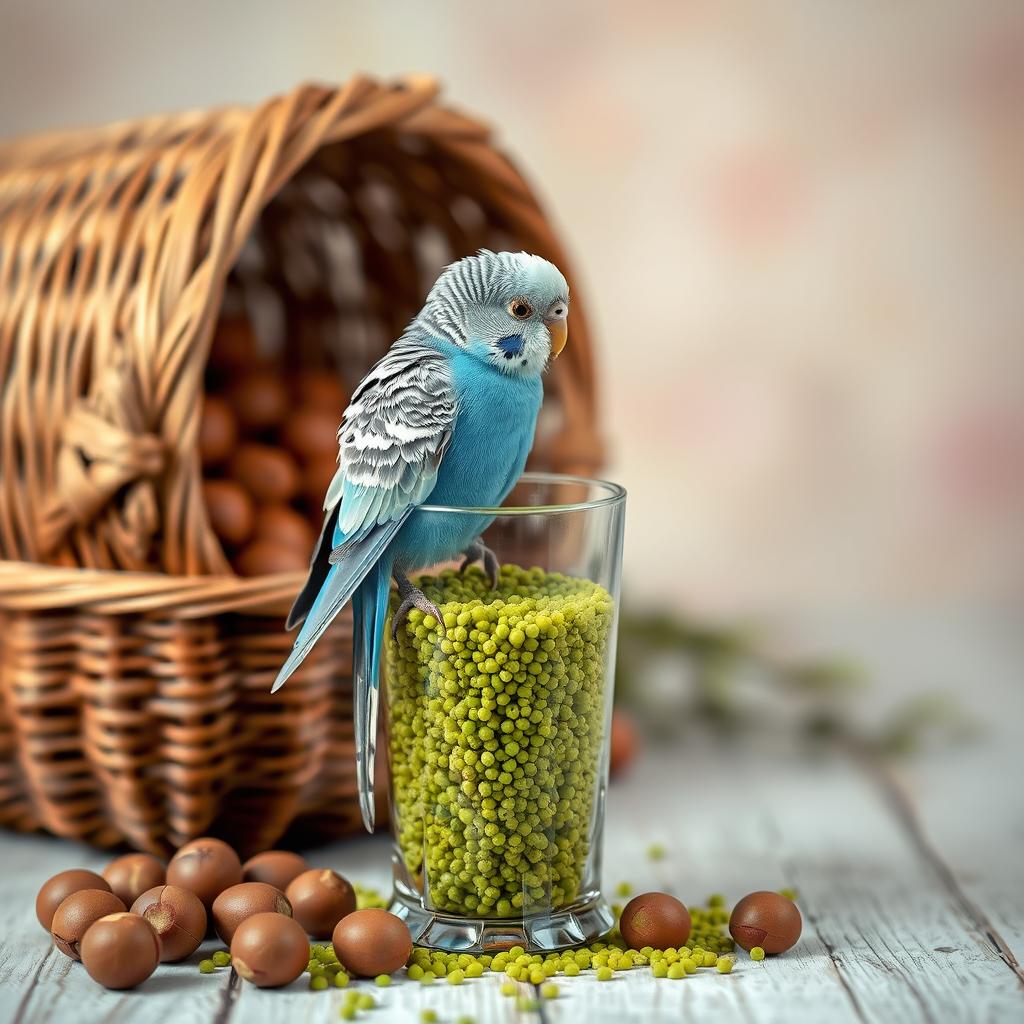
column 134, row 665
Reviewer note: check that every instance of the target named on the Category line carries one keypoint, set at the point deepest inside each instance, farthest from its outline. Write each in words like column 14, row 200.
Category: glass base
column 575, row 925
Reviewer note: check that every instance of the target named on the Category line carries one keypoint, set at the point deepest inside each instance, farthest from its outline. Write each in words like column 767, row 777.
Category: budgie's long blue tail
column 369, row 612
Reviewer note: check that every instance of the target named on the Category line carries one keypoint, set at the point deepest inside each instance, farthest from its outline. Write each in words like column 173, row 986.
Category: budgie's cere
column 446, row 417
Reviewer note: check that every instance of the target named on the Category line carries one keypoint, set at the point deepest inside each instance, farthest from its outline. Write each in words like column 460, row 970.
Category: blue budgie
column 446, row 417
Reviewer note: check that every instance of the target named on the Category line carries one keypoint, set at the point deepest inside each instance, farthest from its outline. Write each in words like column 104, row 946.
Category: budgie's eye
column 520, row 309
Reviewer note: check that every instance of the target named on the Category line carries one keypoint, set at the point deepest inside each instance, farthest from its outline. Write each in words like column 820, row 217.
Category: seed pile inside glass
column 495, row 728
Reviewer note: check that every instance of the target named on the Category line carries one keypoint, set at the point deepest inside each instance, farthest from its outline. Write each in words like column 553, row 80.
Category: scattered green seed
column 465, row 1019
column 571, row 969
column 348, row 1012
column 688, row 965
column 676, row 971
column 428, row 1016
column 605, row 974
column 660, row 969
column 207, row 967
column 366, row 1001
column 456, row 977
column 341, row 979
column 656, row 851
column 757, row 953
column 790, row 894
column 527, row 1004
column 221, row 958
column 382, row 980
column 549, row 990
column 509, row 988
column 724, row 964
column 623, row 889
column 318, row 983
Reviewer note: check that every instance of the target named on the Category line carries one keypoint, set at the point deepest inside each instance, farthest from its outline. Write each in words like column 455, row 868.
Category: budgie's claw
column 412, row 597
column 478, row 551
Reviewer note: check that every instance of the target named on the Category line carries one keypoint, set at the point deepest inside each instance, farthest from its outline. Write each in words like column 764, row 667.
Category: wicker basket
column 134, row 665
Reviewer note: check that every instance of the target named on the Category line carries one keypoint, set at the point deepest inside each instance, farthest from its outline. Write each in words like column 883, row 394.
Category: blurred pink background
column 800, row 229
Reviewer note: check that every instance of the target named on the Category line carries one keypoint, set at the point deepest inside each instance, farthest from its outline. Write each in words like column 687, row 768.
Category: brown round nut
column 260, row 399
column 317, row 478
column 218, row 431
column 205, row 866
column 76, row 913
column 234, row 345
column 275, row 867
column 268, row 474
column 57, row 889
column 282, row 525
column 321, row 389
column 313, row 433
column 241, row 901
column 264, row 558
column 372, row 942
column 120, row 951
column 654, row 919
column 131, row 875
column 269, row 950
column 766, row 919
column 320, row 898
column 230, row 509
column 177, row 916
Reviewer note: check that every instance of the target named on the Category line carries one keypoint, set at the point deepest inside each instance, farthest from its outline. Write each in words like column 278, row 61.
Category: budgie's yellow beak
column 559, row 331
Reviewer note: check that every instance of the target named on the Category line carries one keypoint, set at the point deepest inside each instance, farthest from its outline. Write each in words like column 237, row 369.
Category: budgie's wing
column 392, row 438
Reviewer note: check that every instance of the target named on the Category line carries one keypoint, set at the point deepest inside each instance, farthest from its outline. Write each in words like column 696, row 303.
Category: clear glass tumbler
column 498, row 726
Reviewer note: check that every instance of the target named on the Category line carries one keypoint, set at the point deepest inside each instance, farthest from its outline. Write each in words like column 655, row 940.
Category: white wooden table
column 911, row 884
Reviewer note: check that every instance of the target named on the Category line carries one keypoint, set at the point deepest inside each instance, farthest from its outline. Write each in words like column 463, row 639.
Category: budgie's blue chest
column 491, row 438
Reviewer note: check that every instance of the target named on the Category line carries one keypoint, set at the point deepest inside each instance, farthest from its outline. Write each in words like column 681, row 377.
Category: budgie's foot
column 412, row 597
column 478, row 551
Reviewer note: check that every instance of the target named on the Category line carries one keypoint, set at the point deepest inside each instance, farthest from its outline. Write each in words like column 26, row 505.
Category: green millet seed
column 676, row 971
column 318, row 983
column 207, row 967
column 757, row 953
column 724, row 965
column 348, row 1012
column 495, row 733
column 509, row 988
column 656, row 852
column 341, row 980
column 549, row 990
column 688, row 965
column 790, row 894
column 465, row 1019
column 382, row 980
column 527, row 1004
column 428, row 1016
column 366, row 1001
column 221, row 958
column 623, row 889
column 414, row 972
column 456, row 977
column 709, row 960
column 605, row 974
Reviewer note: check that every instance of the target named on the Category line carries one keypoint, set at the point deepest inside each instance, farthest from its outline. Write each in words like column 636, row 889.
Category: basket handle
column 106, row 458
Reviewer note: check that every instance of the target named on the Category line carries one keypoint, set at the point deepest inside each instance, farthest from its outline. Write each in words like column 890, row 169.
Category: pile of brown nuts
column 140, row 913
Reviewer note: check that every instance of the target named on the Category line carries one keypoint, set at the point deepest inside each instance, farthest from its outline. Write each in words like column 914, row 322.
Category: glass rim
column 614, row 494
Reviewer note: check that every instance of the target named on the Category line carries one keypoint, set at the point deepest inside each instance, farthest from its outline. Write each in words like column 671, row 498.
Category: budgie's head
column 506, row 308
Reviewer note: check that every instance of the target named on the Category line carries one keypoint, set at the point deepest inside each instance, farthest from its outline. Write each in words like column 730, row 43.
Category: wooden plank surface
column 886, row 938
